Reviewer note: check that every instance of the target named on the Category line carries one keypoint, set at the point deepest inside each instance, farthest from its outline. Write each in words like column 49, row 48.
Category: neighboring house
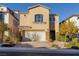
column 38, row 24
column 74, row 18
column 11, row 18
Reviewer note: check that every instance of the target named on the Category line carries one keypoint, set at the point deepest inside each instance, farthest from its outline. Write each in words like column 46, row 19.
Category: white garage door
column 41, row 36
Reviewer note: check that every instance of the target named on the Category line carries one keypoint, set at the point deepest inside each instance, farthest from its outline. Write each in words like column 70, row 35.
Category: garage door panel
column 41, row 36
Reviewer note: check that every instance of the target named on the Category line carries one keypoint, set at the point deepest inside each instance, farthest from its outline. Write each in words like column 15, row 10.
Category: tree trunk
column 1, row 37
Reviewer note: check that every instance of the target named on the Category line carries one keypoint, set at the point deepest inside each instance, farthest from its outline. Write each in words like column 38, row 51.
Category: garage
column 35, row 35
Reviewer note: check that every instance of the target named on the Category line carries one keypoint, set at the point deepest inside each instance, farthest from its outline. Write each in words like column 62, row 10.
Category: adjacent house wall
column 6, row 21
column 13, row 24
column 74, row 19
column 12, row 21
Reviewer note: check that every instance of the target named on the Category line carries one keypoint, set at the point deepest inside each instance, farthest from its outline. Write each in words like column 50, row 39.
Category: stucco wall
column 29, row 19
column 13, row 24
column 56, row 23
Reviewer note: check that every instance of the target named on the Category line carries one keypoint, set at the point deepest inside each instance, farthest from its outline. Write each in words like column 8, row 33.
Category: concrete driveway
column 33, row 44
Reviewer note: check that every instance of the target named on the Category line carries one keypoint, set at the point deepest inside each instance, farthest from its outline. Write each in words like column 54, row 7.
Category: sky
column 64, row 10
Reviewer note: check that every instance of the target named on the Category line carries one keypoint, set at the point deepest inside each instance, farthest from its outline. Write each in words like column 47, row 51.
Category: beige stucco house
column 38, row 24
column 11, row 19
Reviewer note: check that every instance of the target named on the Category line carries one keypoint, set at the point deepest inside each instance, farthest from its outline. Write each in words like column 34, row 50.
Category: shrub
column 54, row 45
column 61, row 38
column 17, row 39
column 73, row 43
column 68, row 45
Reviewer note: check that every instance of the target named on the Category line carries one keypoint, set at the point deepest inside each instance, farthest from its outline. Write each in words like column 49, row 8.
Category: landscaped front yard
column 64, row 42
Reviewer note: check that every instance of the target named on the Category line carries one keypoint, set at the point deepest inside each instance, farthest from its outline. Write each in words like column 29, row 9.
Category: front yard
column 64, row 42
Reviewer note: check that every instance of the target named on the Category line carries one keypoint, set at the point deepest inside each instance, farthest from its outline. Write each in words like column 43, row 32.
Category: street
column 18, row 51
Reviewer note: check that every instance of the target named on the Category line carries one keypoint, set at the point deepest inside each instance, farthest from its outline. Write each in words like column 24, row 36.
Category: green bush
column 54, row 45
column 73, row 43
column 17, row 39
column 68, row 45
column 61, row 38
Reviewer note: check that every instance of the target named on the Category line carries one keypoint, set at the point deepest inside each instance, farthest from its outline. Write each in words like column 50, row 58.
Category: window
column 77, row 18
column 39, row 18
column 24, row 15
column 52, row 19
column 1, row 8
column 1, row 16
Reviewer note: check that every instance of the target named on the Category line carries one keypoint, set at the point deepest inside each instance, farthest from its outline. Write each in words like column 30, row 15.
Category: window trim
column 38, row 21
column 2, row 16
column 77, row 18
column 51, row 19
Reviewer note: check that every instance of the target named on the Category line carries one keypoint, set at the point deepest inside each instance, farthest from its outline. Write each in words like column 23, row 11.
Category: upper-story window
column 52, row 19
column 1, row 16
column 77, row 18
column 1, row 8
column 39, row 18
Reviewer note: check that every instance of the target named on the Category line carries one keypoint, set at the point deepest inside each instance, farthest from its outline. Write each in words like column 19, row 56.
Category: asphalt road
column 18, row 51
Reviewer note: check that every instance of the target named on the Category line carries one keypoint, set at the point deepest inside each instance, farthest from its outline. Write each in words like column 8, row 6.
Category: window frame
column 52, row 19
column 39, row 18
column 77, row 18
column 2, row 18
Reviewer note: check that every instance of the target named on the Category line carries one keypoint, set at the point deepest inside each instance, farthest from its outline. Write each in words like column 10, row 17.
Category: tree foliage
column 68, row 28
column 3, row 27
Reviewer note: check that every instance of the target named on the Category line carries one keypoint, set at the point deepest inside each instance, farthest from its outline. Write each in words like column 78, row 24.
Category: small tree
column 68, row 28
column 3, row 27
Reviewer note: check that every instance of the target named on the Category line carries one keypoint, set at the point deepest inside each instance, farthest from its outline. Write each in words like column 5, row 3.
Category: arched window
column 39, row 18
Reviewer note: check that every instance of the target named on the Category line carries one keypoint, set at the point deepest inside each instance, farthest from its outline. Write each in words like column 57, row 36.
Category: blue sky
column 63, row 9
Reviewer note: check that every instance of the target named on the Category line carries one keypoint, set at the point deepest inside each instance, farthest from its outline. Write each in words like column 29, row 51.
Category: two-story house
column 11, row 18
column 38, row 24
